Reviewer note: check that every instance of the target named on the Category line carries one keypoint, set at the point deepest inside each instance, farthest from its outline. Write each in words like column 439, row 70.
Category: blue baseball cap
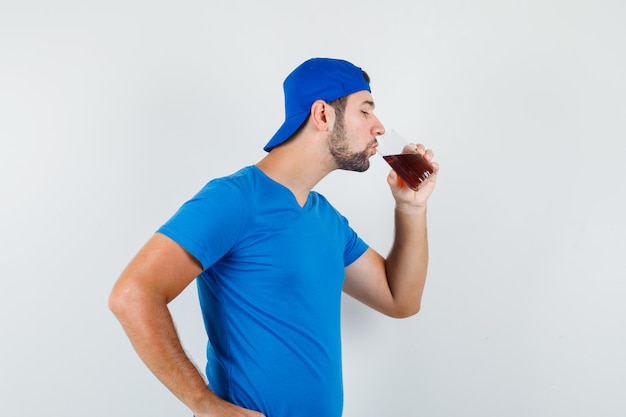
column 316, row 79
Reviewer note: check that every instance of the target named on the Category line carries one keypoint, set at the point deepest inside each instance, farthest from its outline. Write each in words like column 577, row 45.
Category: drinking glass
column 412, row 168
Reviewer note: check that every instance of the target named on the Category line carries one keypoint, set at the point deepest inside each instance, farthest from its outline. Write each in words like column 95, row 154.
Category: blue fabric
column 270, row 292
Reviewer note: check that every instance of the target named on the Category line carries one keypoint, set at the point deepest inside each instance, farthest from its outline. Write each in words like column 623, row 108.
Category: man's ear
column 322, row 115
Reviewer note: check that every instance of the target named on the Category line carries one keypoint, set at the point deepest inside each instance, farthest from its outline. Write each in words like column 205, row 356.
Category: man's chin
column 356, row 164
column 362, row 167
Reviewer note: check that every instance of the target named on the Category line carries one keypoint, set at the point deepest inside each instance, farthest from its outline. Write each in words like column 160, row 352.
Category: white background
column 114, row 113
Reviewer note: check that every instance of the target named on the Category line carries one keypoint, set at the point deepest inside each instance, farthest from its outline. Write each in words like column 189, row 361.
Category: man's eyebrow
column 369, row 103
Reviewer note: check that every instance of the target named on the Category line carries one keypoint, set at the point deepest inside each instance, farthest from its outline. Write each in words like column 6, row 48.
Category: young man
column 272, row 258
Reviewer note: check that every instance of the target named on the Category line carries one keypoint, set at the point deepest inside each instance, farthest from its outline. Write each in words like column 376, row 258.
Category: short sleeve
column 208, row 225
column 355, row 246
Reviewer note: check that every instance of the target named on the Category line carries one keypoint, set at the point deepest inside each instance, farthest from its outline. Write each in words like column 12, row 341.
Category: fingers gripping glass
column 412, row 168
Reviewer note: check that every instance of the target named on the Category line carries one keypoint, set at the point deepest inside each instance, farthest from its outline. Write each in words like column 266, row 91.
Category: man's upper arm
column 162, row 268
column 366, row 281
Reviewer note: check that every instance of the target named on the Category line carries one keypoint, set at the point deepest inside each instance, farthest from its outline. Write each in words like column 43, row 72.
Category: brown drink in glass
column 412, row 168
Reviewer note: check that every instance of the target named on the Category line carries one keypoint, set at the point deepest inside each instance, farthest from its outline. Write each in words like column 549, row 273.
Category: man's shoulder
column 237, row 180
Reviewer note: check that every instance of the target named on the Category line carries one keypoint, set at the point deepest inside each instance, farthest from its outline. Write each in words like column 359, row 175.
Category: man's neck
column 297, row 167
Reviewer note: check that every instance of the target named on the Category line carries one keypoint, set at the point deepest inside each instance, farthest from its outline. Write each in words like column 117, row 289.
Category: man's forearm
column 407, row 262
column 151, row 330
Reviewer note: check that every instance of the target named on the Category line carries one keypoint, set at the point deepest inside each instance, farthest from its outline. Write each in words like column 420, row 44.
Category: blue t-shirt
column 270, row 292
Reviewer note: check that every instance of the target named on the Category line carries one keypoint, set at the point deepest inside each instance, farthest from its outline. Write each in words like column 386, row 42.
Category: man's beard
column 339, row 148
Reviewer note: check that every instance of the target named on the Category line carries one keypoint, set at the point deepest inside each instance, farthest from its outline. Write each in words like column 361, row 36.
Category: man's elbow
column 122, row 300
column 403, row 312
column 116, row 301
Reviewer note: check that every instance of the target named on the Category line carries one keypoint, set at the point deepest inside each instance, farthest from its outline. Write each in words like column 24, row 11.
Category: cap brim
column 288, row 128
